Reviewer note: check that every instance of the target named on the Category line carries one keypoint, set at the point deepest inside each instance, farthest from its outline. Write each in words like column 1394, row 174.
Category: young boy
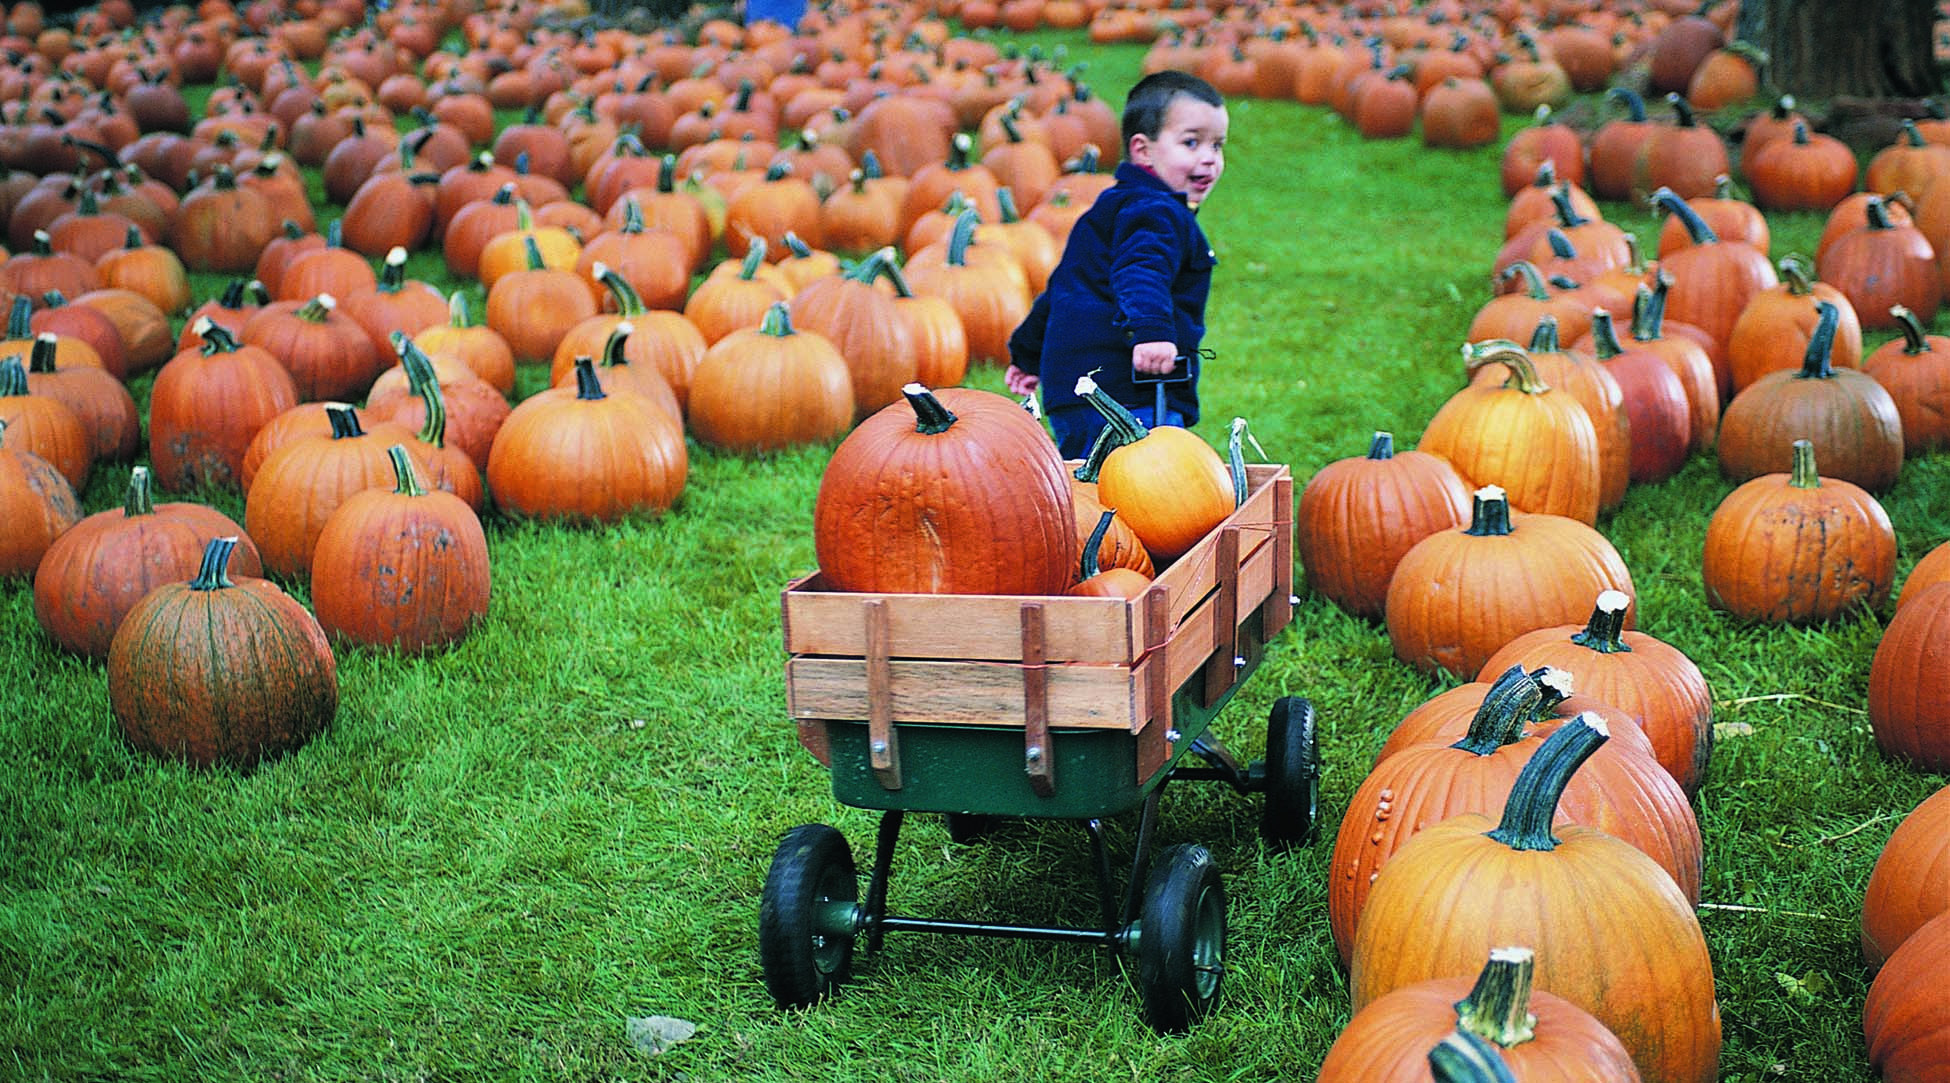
column 1129, row 294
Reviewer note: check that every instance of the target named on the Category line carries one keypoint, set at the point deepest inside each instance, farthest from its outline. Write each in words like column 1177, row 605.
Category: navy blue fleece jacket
column 1136, row 269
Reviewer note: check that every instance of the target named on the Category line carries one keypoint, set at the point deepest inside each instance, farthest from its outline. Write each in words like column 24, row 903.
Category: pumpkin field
column 502, row 746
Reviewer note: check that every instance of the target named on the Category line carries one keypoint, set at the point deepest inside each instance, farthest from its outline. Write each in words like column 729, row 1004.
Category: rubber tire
column 969, row 827
column 1291, row 817
column 1181, row 939
column 812, row 866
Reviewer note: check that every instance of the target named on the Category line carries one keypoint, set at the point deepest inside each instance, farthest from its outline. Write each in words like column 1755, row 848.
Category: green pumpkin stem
column 1802, row 474
column 1489, row 513
column 1497, row 1008
column 1544, row 339
column 505, row 195
column 892, row 269
column 424, row 382
column 406, row 481
column 133, row 239
column 962, row 236
column 1816, row 363
column 931, row 417
column 1915, row 340
column 233, row 294
column 392, row 274
column 457, row 309
column 1511, row 702
column 1129, row 429
column 1567, row 215
column 20, row 318
column 754, row 259
column 13, row 378
column 1090, row 566
column 1382, row 447
column 959, row 149
column 1795, row 274
column 1605, row 632
column 633, row 216
column 1604, row 336
column 1877, row 212
column 1462, row 1057
column 1106, row 442
column 799, row 248
column 619, row 337
column 1634, row 105
column 335, row 234
column 41, row 357
column 1526, row 822
column 778, row 321
column 344, row 421
column 216, row 337
column 317, row 309
column 141, row 497
column 1523, row 373
column 1533, row 279
column 629, row 303
column 214, row 572
column 534, row 253
column 1236, row 460
column 869, row 267
column 588, row 387
column 1006, row 199
column 1666, row 199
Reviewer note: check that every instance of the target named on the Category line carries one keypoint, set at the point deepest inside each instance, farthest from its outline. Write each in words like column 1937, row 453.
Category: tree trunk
column 1865, row 48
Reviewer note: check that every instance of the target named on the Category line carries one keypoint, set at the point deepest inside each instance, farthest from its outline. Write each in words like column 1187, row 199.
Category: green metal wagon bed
column 1081, row 709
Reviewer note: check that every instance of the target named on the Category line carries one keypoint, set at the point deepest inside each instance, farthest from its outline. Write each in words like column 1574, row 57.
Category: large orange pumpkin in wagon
column 954, row 491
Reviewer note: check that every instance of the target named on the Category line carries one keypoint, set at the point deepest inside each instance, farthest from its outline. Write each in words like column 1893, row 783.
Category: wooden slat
column 1220, row 672
column 1279, row 603
column 948, row 692
column 819, row 621
column 1154, row 717
column 883, row 744
column 1038, row 758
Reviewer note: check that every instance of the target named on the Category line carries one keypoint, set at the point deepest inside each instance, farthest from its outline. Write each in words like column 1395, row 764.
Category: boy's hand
column 1155, row 358
column 1019, row 382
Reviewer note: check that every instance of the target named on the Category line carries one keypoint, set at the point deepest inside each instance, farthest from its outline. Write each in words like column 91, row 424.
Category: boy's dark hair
column 1150, row 100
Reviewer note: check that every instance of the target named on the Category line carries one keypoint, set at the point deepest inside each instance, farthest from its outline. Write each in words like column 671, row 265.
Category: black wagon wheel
column 1292, row 814
column 806, row 916
column 1181, row 939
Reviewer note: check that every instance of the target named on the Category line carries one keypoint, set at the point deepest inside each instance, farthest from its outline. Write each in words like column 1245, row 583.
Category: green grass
column 498, row 855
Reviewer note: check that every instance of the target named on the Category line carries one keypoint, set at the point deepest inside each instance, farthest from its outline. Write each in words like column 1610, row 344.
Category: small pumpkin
column 1095, row 581
column 215, row 671
column 45, row 425
column 1168, row 484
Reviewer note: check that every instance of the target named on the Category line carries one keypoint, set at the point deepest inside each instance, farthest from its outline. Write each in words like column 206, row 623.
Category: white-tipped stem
column 1491, row 492
column 1558, row 680
column 327, row 302
column 600, row 269
column 397, row 257
column 625, row 328
column 202, row 324
column 916, row 388
column 1613, row 601
column 1590, row 718
column 1086, row 386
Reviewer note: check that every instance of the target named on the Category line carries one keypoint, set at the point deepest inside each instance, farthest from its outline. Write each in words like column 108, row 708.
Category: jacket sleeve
column 1144, row 261
column 1026, row 343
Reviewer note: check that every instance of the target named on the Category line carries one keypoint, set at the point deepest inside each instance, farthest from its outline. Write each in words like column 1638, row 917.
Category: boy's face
column 1188, row 152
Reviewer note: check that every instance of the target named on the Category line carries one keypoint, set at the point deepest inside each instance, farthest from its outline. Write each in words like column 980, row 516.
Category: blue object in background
column 786, row 12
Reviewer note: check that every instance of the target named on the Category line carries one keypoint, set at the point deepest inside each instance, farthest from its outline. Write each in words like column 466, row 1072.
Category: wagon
column 1080, row 709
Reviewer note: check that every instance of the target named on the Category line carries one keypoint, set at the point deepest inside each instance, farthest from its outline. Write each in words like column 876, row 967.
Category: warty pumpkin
column 214, row 671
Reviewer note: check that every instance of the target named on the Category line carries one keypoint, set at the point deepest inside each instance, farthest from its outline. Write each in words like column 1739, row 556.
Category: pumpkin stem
column 41, row 357
column 140, row 499
column 1666, row 199
column 1604, row 336
column 1877, row 214
column 892, row 269
column 1523, row 374
column 799, row 248
column 1546, row 175
column 1684, row 109
column 1106, row 442
column 504, row 195
column 1544, row 339
column 1489, row 514
column 1802, row 475
column 1526, row 822
column 13, row 378
column 1634, row 105
column 424, row 382
column 214, row 573
column 1509, row 704
column 133, row 239
column 958, row 151
column 1533, row 279
column 1462, row 1057
column 1816, row 363
column 1911, row 134
column 1382, row 447
column 1006, row 199
column 457, row 309
column 1236, row 458
column 20, row 318
column 1497, row 1009
column 216, row 337
column 1914, row 339
column 406, row 482
column 317, row 309
column 962, row 236
column 344, row 421
column 1649, row 309
column 633, row 216
column 754, row 259
column 1129, row 429
column 588, row 387
column 628, row 301
column 534, row 253
column 1090, row 565
column 1567, row 215
column 1605, row 632
column 778, row 320
column 1795, row 274
column 931, row 418
column 619, row 336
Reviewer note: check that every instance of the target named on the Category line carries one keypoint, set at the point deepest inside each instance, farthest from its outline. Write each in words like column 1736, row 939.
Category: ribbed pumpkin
column 481, row 348
column 1096, row 581
column 1637, row 960
column 1804, row 172
column 770, row 387
column 1683, row 157
column 1850, row 419
column 212, row 671
column 302, row 483
column 329, row 356
column 45, row 425
column 1514, row 315
column 38, row 504
column 396, row 303
column 584, row 456
column 97, row 399
column 206, row 406
column 533, row 309
column 1932, row 569
column 950, row 492
column 1713, row 279
column 1542, row 1037
column 470, row 413
column 1884, row 264
column 1658, row 414
column 403, row 568
column 724, row 303
column 1459, row 595
column 1730, row 218
column 1772, row 332
column 934, row 331
column 1911, row 880
column 991, row 296
column 1909, row 682
column 1591, row 384
column 1534, row 442
column 1168, row 484
column 862, row 322
column 1685, row 356
column 653, row 261
column 98, row 570
column 1444, row 718
column 1358, row 516
column 1119, row 546
column 1656, row 685
column 1906, row 1017
column 1915, row 370
column 1798, row 547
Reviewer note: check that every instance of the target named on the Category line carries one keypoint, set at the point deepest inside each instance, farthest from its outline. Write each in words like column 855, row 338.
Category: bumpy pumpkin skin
column 1779, row 552
column 1907, row 1018
column 1911, row 881
column 227, row 676
column 38, row 506
column 983, row 507
column 1909, row 682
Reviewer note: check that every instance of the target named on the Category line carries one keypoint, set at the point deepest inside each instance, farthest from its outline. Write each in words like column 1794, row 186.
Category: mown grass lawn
column 499, row 855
